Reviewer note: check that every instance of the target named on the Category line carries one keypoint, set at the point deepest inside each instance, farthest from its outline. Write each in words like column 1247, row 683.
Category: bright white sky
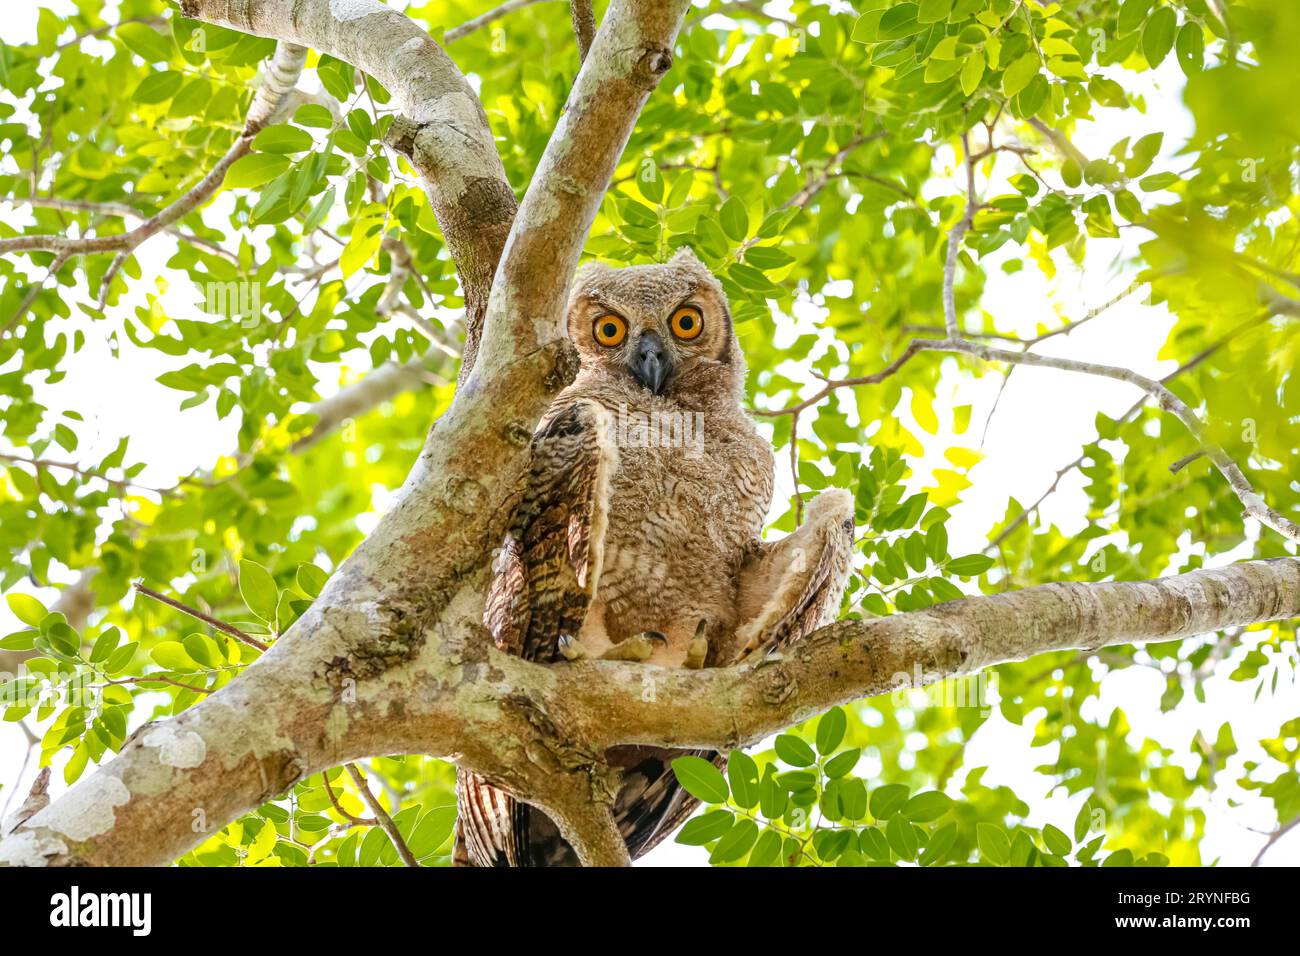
column 1042, row 421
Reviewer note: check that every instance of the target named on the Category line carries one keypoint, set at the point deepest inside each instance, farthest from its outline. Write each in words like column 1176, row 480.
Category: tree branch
column 207, row 619
column 485, row 19
column 382, row 819
column 443, row 132
column 847, row 660
column 631, row 53
column 534, row 728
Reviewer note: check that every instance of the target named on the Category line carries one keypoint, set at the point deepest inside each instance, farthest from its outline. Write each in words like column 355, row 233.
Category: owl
column 638, row 534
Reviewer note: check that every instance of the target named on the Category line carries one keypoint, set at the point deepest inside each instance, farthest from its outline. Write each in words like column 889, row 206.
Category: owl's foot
column 571, row 650
column 638, row 647
column 699, row 649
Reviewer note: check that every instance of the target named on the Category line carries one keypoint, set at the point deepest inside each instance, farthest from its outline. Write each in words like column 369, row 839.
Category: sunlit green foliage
column 815, row 162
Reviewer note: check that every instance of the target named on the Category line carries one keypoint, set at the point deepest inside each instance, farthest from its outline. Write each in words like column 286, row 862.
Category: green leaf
column 972, row 71
column 795, row 751
column 338, row 78
column 1158, row 35
column 27, row 609
column 900, row 20
column 255, row 169
column 841, row 764
column 926, row 806
column 941, row 841
column 1158, row 181
column 742, row 772
column 994, row 844
column 204, row 650
column 902, row 838
column 158, row 88
column 314, row 115
column 734, row 219
column 706, row 828
column 432, row 831
column 121, row 658
column 172, row 656
column 888, row 800
column 311, row 579
column 874, row 844
column 767, row 850
column 367, row 237
column 932, row 11
column 257, row 588
column 830, row 730
column 772, row 798
column 104, row 645
column 283, row 138
column 1190, row 46
column 1017, row 76
column 1082, row 823
column 736, row 843
column 19, row 641
column 969, row 565
column 316, row 218
column 145, row 42
column 1057, row 842
column 701, row 779
column 1131, row 15
column 1143, row 153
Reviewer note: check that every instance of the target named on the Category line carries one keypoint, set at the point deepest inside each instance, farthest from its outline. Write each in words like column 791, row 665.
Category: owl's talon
column 638, row 647
column 699, row 649
column 571, row 650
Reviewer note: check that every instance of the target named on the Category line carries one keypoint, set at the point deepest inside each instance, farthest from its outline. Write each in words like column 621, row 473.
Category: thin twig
column 479, row 22
column 121, row 484
column 1273, row 838
column 36, row 289
column 212, row 622
column 158, row 23
column 954, row 242
column 156, row 679
column 384, row 821
column 355, row 821
column 1186, row 460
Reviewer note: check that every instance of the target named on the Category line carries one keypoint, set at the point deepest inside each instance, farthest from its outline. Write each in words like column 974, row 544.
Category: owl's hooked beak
column 650, row 364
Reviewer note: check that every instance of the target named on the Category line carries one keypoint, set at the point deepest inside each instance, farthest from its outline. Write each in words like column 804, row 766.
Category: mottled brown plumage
column 645, row 503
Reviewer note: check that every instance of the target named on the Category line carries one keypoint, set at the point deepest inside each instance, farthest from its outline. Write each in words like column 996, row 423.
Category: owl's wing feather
column 791, row 587
column 541, row 590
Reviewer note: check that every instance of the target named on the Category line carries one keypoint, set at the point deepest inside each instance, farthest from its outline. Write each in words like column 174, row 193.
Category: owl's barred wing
column 652, row 804
column 545, row 573
column 541, row 588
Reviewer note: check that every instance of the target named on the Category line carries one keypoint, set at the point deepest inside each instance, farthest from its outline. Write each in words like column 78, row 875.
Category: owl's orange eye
column 610, row 331
column 687, row 322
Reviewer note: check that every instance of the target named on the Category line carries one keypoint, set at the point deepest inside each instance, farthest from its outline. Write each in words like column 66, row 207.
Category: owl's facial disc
column 650, row 362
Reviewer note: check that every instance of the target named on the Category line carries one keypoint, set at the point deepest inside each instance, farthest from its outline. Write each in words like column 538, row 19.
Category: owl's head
column 666, row 326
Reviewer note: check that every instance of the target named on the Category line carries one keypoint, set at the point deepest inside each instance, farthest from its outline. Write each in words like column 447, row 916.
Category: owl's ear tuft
column 685, row 256
column 585, row 276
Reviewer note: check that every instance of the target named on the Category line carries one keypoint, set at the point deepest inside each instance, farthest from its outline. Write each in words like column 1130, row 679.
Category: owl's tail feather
column 487, row 831
column 494, row 829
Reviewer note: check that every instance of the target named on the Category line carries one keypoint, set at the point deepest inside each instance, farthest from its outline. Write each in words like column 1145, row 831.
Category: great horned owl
column 637, row 536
